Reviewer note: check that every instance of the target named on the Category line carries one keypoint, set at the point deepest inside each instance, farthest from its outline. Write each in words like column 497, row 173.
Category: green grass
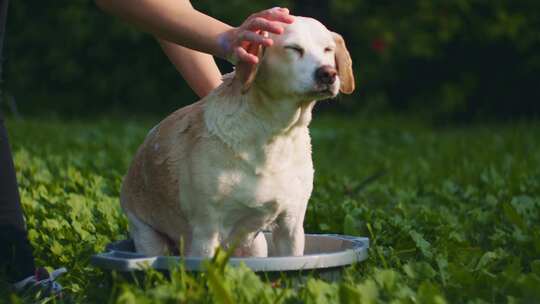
column 453, row 213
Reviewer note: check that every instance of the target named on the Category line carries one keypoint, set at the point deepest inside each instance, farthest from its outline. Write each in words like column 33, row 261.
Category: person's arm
column 198, row 69
column 177, row 21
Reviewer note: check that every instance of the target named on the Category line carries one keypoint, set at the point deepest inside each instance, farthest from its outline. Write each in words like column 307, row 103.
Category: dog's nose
column 326, row 74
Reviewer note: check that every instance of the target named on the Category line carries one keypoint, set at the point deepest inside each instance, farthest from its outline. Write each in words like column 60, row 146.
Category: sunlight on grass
column 453, row 213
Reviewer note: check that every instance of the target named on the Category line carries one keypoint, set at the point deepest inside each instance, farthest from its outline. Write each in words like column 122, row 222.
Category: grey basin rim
column 124, row 261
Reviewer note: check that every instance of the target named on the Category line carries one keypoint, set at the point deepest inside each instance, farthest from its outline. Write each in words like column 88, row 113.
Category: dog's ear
column 344, row 65
column 245, row 73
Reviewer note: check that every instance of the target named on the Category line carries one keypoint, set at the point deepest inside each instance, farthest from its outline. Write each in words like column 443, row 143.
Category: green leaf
column 421, row 243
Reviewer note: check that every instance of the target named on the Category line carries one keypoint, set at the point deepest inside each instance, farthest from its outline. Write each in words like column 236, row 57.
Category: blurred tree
column 454, row 58
column 3, row 15
column 315, row 9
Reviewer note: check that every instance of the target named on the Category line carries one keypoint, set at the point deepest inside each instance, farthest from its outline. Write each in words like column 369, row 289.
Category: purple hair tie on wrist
column 226, row 47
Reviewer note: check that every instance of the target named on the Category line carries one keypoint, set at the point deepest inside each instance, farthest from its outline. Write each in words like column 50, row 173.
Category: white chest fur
column 280, row 171
column 270, row 170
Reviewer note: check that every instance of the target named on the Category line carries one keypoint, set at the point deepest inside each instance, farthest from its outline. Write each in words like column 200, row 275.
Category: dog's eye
column 296, row 48
column 328, row 49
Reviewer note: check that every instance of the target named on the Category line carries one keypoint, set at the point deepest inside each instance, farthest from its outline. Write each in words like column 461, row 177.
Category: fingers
column 255, row 38
column 248, row 53
column 253, row 32
column 270, row 20
column 246, row 57
column 262, row 24
column 276, row 14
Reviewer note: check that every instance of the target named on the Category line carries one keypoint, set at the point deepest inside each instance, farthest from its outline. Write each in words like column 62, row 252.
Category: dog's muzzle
column 325, row 75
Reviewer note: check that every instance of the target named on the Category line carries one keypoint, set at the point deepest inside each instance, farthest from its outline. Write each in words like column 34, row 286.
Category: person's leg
column 16, row 259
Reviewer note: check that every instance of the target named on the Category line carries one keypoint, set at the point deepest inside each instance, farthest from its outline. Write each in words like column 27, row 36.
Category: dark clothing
column 16, row 259
column 10, row 204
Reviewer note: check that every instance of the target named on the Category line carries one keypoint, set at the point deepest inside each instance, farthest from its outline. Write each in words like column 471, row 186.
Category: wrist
column 225, row 45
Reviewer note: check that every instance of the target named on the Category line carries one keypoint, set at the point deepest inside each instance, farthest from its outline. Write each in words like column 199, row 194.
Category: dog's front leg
column 288, row 235
column 255, row 246
column 204, row 242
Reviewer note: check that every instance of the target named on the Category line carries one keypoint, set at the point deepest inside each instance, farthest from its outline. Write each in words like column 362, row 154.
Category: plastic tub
column 324, row 253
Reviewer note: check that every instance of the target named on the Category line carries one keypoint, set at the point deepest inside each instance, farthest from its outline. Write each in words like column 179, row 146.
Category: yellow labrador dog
column 217, row 172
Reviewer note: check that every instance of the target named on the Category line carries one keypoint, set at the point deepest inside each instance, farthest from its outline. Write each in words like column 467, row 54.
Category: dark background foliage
column 458, row 59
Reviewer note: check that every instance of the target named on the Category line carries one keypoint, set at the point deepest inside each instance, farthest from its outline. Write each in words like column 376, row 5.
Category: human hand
column 237, row 43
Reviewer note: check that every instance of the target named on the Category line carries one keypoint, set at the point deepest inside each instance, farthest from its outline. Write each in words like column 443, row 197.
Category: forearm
column 172, row 20
column 198, row 69
column 182, row 29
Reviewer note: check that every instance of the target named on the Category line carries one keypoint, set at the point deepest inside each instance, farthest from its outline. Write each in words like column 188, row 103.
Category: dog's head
column 306, row 62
